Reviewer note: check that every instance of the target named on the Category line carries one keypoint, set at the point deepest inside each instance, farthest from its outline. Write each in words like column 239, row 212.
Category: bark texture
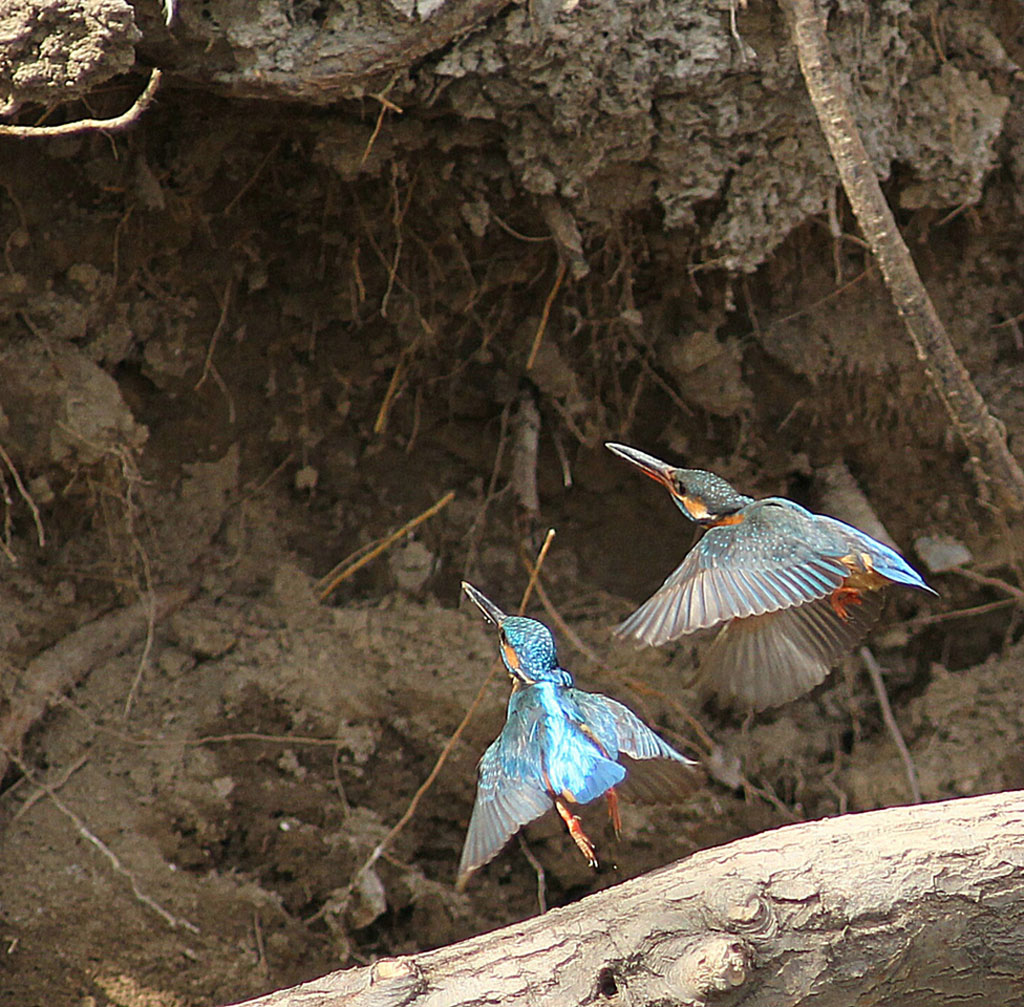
column 918, row 906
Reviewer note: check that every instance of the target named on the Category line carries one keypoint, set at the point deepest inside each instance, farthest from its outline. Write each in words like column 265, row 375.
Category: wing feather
column 778, row 557
column 771, row 659
column 510, row 794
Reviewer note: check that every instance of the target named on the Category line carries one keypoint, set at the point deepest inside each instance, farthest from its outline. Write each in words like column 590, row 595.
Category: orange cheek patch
column 695, row 507
column 511, row 656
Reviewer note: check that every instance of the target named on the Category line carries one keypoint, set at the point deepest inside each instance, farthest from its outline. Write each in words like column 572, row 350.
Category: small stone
column 369, row 900
column 942, row 552
column 222, row 786
column 411, row 565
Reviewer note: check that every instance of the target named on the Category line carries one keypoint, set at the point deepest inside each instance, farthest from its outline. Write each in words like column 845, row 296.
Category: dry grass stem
column 348, row 567
column 174, row 922
column 546, row 314
column 878, row 684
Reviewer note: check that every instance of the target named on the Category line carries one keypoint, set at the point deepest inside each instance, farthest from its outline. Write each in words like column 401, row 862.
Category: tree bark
column 919, row 905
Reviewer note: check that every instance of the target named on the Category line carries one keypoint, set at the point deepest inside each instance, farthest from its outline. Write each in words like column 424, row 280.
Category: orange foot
column 842, row 598
column 572, row 823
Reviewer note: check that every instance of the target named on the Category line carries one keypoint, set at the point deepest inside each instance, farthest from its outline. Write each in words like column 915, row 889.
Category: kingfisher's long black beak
column 491, row 611
column 659, row 471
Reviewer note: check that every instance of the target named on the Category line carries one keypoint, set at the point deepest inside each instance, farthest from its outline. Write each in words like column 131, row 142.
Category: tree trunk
column 916, row 905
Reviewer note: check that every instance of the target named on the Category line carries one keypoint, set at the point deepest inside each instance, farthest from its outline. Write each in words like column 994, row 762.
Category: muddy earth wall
column 352, row 257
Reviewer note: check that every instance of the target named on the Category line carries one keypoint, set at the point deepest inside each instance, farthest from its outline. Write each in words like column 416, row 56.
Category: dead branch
column 891, row 724
column 981, row 432
column 921, row 905
column 348, row 566
column 52, row 673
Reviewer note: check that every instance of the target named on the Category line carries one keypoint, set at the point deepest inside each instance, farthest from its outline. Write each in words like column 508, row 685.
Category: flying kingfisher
column 794, row 590
column 560, row 747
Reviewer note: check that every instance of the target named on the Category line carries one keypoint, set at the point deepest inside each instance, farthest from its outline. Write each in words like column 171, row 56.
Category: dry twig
column 538, row 867
column 25, row 495
column 351, row 564
column 981, row 432
column 875, row 674
column 995, row 582
column 174, row 922
column 546, row 314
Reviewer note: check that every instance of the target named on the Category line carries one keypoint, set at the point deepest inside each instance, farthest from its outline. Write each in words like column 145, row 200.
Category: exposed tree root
column 982, row 433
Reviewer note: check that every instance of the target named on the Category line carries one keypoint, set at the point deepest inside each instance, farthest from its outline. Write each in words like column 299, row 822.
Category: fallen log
column 920, row 905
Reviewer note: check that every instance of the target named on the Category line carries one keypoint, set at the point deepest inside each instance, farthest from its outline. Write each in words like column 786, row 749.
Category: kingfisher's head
column 702, row 496
column 527, row 646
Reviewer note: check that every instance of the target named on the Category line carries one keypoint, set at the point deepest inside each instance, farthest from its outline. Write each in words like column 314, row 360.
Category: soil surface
column 249, row 338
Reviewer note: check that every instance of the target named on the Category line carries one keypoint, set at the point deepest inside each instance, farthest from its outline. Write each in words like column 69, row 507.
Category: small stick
column 542, row 897
column 149, row 598
column 251, row 181
column 225, row 304
column 456, row 734
column 875, row 673
column 999, row 585
column 545, row 314
column 961, row 613
column 119, row 122
column 386, row 105
column 174, row 922
column 476, row 529
column 60, row 781
column 25, row 495
column 342, row 571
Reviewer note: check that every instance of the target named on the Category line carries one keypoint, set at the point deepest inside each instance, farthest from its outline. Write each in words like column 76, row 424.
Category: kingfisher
column 791, row 590
column 560, row 747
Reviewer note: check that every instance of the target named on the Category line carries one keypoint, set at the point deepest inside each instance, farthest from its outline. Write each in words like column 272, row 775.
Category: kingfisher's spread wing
column 770, row 659
column 778, row 556
column 655, row 771
column 510, row 793
column 618, row 729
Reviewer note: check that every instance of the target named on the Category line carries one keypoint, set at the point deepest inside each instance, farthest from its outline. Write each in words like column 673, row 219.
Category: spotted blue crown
column 534, row 646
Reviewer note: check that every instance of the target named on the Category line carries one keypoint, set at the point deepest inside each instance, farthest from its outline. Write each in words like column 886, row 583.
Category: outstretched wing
column 618, row 729
column 656, row 771
column 506, row 799
column 778, row 556
column 770, row 659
